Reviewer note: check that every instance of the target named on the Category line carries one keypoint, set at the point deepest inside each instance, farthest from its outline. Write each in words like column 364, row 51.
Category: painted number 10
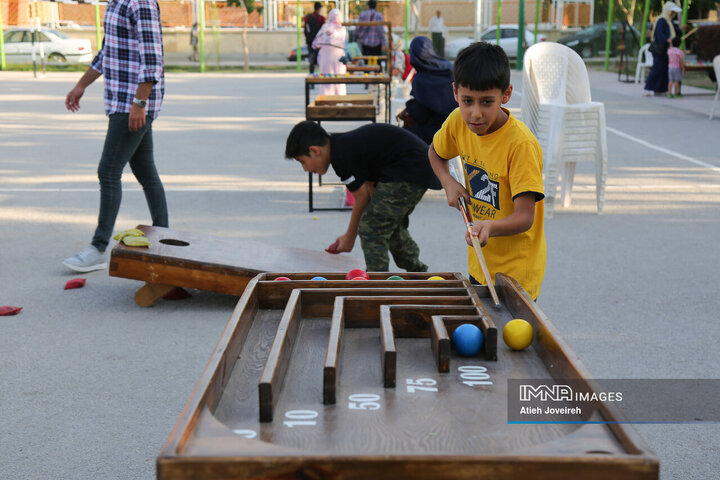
column 474, row 375
column 300, row 418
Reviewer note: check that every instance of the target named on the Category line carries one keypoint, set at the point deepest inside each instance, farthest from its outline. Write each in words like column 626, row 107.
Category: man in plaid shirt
column 371, row 39
column 131, row 62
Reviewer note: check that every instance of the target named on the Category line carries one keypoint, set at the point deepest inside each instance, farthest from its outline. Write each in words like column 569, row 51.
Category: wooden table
column 216, row 264
column 355, row 379
column 380, row 80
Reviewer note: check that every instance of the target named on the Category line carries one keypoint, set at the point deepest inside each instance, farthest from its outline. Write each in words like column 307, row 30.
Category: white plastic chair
column 557, row 108
column 716, row 67
column 644, row 62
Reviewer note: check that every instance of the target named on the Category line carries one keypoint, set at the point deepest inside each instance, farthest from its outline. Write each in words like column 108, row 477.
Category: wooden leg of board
column 149, row 293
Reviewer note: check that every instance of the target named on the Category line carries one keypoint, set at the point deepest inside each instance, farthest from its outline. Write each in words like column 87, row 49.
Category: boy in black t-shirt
column 387, row 170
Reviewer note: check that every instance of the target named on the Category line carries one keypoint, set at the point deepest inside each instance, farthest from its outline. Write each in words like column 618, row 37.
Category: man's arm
column 517, row 222
column 453, row 188
column 72, row 101
column 362, row 195
column 147, row 22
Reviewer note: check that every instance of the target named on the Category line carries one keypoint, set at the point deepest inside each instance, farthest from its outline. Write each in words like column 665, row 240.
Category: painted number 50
column 364, row 401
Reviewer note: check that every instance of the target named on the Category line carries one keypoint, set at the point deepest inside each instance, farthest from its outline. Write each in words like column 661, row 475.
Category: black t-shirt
column 379, row 152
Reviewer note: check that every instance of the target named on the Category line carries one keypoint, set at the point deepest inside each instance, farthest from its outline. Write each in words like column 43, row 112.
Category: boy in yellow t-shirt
column 502, row 162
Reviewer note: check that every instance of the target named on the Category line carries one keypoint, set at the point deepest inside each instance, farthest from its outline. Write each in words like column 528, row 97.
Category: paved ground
column 91, row 385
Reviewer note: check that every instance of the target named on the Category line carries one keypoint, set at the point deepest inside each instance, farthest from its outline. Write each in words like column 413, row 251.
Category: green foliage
column 621, row 9
column 248, row 4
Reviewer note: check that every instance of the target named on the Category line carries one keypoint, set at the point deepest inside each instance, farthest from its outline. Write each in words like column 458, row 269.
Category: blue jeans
column 123, row 146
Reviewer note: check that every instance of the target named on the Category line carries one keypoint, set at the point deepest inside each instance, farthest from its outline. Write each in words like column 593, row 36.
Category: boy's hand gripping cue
column 476, row 244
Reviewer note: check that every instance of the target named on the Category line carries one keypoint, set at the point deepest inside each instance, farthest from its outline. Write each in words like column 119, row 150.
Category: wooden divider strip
column 279, row 357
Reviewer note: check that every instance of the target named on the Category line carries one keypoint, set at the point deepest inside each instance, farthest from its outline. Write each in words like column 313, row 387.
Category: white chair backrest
column 644, row 55
column 716, row 67
column 556, row 73
column 552, row 74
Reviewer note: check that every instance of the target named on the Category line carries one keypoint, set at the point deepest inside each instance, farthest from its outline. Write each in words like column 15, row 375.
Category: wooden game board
column 206, row 262
column 345, row 379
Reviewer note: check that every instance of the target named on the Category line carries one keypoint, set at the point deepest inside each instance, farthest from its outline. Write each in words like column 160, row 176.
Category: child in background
column 503, row 167
column 676, row 68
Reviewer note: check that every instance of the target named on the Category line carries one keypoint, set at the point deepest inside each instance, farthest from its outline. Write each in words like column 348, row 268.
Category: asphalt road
column 91, row 384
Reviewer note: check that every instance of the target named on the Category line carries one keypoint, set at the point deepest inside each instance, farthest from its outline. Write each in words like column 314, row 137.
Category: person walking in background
column 313, row 23
column 371, row 39
column 131, row 61
column 194, row 42
column 663, row 33
column 437, row 29
column 676, row 68
column 330, row 41
column 432, row 91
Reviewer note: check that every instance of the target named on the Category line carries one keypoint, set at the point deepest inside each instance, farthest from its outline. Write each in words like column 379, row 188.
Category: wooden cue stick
column 478, row 251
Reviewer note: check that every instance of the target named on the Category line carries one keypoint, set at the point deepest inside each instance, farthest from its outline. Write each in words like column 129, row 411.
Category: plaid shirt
column 371, row 36
column 132, row 53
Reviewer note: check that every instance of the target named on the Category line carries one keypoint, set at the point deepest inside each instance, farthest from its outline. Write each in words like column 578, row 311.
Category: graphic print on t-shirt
column 483, row 190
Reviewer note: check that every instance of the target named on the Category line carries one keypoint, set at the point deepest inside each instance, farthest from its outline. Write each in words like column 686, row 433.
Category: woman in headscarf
column 330, row 41
column 663, row 33
column 432, row 94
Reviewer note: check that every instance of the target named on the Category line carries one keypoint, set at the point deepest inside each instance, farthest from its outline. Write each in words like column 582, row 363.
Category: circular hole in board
column 174, row 242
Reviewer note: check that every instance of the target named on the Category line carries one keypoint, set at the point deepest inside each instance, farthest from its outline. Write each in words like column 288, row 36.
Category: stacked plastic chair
column 557, row 108
column 716, row 67
column 644, row 62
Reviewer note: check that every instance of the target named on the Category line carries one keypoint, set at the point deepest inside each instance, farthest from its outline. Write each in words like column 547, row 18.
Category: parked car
column 293, row 54
column 508, row 40
column 590, row 41
column 55, row 46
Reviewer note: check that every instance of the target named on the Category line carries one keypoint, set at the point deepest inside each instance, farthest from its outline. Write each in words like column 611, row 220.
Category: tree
column 249, row 7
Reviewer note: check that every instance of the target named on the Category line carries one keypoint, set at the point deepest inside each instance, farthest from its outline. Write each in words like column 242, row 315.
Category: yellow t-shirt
column 498, row 167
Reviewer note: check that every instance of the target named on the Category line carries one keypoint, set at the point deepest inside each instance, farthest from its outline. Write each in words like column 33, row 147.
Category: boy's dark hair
column 482, row 66
column 303, row 136
column 318, row 6
column 372, row 4
column 676, row 41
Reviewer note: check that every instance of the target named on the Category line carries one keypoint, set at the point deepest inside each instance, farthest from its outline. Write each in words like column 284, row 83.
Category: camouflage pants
column 383, row 226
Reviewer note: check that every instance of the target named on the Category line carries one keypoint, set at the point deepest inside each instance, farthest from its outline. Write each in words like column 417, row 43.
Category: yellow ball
column 518, row 334
column 436, row 277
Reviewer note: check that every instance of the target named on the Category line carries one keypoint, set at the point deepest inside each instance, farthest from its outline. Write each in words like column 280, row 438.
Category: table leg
column 150, row 293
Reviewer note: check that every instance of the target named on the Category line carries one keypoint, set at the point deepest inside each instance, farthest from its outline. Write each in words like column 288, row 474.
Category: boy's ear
column 455, row 92
column 313, row 150
column 507, row 94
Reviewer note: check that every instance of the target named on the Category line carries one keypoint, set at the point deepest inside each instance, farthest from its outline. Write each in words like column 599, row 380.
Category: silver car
column 508, row 40
column 55, row 46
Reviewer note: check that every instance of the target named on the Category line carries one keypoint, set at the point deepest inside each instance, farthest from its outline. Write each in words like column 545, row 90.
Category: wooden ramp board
column 206, row 262
column 340, row 379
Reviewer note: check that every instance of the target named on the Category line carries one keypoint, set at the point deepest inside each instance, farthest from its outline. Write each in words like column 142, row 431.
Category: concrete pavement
column 91, row 385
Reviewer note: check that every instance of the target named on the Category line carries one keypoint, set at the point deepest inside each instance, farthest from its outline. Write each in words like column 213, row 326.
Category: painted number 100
column 474, row 375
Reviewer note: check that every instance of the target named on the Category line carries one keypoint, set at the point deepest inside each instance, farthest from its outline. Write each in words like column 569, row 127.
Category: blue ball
column 318, row 278
column 467, row 340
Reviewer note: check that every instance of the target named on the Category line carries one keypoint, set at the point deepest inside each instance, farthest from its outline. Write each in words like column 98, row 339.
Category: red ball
column 359, row 278
column 357, row 272
column 282, row 279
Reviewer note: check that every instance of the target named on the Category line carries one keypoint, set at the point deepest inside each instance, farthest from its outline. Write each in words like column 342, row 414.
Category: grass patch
column 229, row 68
column 28, row 67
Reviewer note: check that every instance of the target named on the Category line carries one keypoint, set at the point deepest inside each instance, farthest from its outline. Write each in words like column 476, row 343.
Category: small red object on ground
column 75, row 283
column 6, row 310
column 177, row 293
column 333, row 248
column 357, row 272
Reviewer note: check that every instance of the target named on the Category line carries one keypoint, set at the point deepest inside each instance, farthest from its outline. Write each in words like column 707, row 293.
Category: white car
column 508, row 40
column 55, row 46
